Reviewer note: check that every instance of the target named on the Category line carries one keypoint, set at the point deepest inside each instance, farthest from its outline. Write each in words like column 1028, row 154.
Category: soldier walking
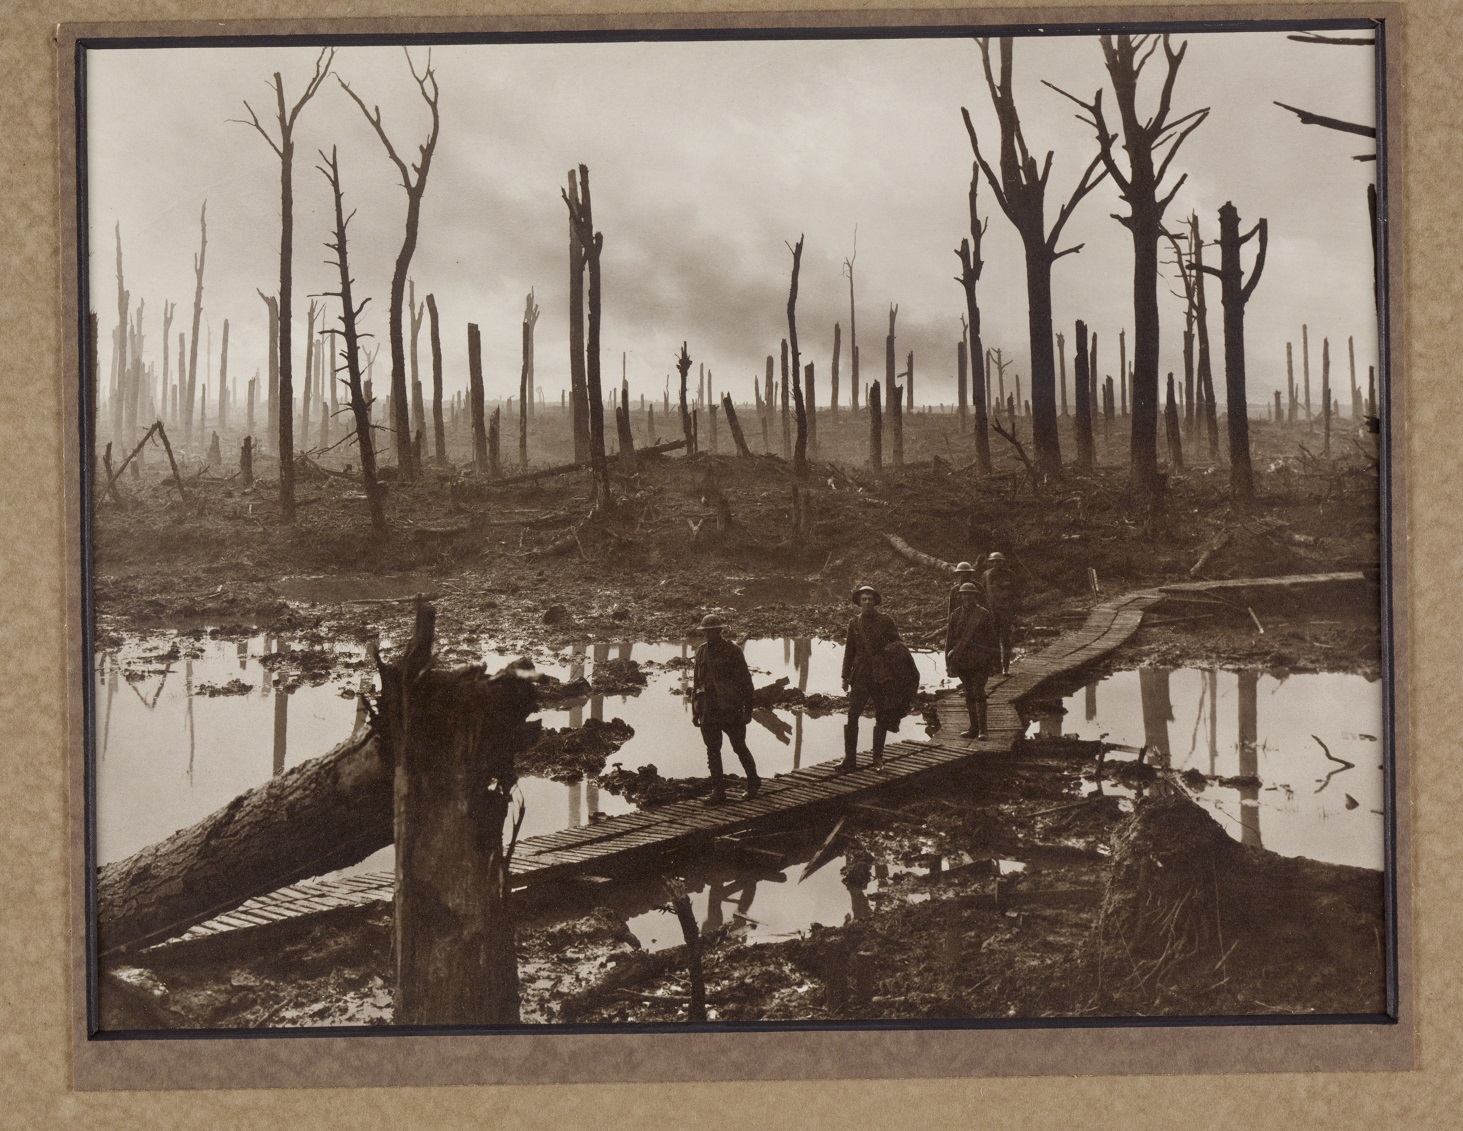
column 721, row 704
column 869, row 634
column 1003, row 602
column 971, row 651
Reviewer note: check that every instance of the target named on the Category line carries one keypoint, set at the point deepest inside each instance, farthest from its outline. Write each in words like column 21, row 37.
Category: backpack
column 899, row 681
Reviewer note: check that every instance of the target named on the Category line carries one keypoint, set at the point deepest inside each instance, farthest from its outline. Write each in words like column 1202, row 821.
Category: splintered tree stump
column 735, row 426
column 454, row 735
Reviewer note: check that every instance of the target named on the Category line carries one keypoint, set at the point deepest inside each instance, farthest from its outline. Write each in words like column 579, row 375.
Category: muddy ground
column 531, row 569
column 1000, row 894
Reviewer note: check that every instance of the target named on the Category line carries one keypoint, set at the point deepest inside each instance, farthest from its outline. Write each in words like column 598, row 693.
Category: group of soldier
column 878, row 671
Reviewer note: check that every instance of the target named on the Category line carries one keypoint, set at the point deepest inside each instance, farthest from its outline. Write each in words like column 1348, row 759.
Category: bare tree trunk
column 349, row 312
column 1062, row 369
column 1085, row 456
column 593, row 244
column 198, row 259
column 1305, row 369
column 735, row 425
column 439, row 429
column 494, row 424
column 833, row 377
column 418, row 407
column 800, row 449
column 853, row 380
column 894, row 394
column 525, row 379
column 1235, row 292
column 785, row 396
column 475, row 398
column 282, row 415
column 1326, row 396
column 453, row 738
column 1201, row 326
column 971, row 266
column 272, row 305
column 1350, row 359
column 622, row 420
column 683, row 367
column 1020, row 190
column 1125, row 56
column 223, row 379
column 578, row 397
column 1175, row 434
column 119, row 350
column 960, row 383
column 312, row 373
column 1122, row 373
column 810, row 399
column 876, row 430
column 414, row 181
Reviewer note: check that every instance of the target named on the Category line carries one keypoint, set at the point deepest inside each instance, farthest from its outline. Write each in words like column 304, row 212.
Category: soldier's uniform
column 971, row 652
column 721, row 703
column 869, row 634
column 1003, row 602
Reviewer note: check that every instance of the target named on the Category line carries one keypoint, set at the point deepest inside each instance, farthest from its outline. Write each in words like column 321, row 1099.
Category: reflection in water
column 188, row 695
column 1256, row 728
column 281, row 722
column 1249, row 758
column 109, row 663
column 168, row 767
column 1157, row 713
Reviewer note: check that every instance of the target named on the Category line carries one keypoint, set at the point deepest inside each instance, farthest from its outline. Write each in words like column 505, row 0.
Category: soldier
column 963, row 572
column 721, row 703
column 869, row 634
column 1004, row 604
column 971, row 651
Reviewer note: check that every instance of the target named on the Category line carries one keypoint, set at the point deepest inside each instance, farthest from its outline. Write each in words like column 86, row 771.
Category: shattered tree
column 1020, row 190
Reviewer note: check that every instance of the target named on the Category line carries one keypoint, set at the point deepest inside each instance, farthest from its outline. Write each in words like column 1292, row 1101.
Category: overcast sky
column 704, row 159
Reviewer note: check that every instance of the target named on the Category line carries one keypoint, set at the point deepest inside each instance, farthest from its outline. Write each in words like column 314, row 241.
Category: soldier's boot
column 979, row 718
column 973, row 731
column 878, row 747
column 850, row 749
column 754, row 783
column 717, row 796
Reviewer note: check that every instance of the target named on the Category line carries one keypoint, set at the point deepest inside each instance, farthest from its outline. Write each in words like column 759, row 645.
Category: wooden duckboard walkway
column 626, row 842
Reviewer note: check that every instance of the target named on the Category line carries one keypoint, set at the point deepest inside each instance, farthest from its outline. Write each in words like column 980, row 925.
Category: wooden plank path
column 630, row 841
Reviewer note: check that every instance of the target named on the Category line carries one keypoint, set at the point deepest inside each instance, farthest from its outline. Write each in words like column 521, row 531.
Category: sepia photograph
column 786, row 528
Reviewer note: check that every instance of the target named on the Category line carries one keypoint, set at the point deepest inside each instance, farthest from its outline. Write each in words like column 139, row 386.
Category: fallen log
column 905, row 550
column 322, row 815
column 582, row 465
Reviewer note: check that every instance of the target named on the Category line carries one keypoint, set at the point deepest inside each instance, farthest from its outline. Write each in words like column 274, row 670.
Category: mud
column 570, row 753
column 651, row 568
column 998, row 895
column 946, row 933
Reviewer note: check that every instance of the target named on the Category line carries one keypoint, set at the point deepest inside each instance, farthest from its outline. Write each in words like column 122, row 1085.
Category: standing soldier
column 964, row 572
column 971, row 651
column 721, row 703
column 1003, row 603
column 869, row 634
